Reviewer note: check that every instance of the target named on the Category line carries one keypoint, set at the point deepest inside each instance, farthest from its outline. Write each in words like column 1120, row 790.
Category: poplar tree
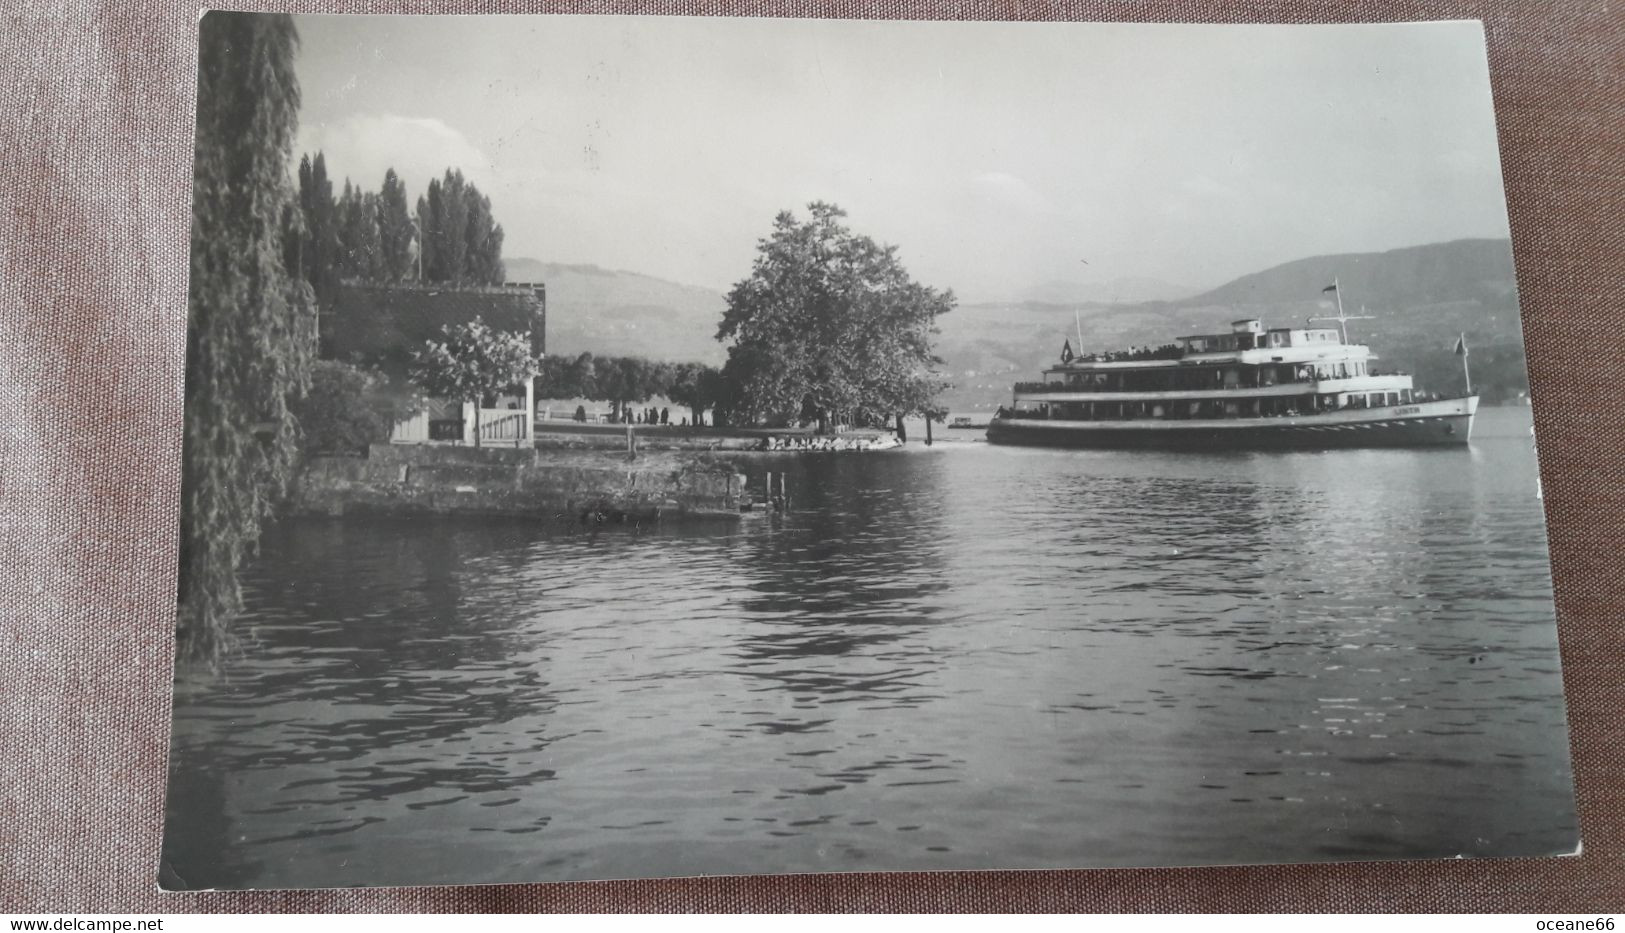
column 360, row 248
column 482, row 261
column 319, row 252
column 395, row 232
column 461, row 242
column 443, row 220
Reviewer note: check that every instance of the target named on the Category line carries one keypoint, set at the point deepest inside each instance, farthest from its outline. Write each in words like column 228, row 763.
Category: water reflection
column 956, row 658
column 839, row 601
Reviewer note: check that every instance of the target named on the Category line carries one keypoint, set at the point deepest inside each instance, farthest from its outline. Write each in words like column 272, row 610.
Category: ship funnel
column 1250, row 325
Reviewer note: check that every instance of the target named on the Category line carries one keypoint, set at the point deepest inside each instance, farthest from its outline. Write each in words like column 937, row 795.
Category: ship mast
column 1342, row 319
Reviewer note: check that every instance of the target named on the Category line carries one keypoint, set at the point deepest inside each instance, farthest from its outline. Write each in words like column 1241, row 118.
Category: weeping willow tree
column 250, row 325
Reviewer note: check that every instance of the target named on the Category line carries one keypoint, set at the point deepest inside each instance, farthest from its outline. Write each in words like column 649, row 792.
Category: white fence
column 501, row 426
column 510, row 426
column 414, row 430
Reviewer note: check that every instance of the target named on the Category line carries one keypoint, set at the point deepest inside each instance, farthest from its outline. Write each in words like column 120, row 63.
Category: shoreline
column 575, row 436
column 567, row 487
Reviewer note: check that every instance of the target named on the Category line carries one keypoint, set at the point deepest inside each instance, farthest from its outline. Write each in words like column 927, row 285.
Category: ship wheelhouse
column 1246, row 373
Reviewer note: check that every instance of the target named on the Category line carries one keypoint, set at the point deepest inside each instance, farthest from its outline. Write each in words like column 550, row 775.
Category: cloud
column 362, row 148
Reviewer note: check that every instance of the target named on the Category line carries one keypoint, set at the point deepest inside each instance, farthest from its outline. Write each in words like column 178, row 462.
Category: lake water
column 961, row 657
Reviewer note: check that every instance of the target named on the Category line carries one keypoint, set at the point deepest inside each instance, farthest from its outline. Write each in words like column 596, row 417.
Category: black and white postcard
column 637, row 447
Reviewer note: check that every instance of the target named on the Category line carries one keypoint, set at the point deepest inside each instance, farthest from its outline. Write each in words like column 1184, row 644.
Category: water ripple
column 957, row 658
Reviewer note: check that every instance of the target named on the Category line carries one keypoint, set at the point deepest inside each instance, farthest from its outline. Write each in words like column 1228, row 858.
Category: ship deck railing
column 1166, row 352
column 1083, row 387
column 1034, row 414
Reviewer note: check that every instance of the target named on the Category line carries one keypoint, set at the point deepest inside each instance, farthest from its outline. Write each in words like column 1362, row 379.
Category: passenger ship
column 1250, row 388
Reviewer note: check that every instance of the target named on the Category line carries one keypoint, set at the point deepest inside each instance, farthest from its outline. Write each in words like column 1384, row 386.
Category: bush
column 348, row 408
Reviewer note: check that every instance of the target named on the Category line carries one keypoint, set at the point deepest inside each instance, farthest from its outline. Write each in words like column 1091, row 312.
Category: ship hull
column 1447, row 423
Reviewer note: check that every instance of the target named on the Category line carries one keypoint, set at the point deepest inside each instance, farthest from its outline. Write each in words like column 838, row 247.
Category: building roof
column 383, row 325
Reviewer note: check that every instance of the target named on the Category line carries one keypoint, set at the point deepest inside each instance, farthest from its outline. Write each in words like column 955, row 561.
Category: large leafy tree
column 250, row 324
column 624, row 380
column 583, row 377
column 697, row 387
column 474, row 361
column 718, row 392
column 614, row 383
column 553, row 379
column 561, row 377
column 829, row 324
column 635, row 382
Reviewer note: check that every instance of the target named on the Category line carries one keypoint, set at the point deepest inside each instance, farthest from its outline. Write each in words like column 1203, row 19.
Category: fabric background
column 96, row 104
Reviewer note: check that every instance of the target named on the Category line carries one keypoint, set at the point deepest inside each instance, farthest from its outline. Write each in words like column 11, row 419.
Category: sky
column 996, row 156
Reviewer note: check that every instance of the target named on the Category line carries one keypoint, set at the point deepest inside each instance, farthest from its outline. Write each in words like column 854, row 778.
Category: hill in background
column 1421, row 299
column 1127, row 290
column 612, row 313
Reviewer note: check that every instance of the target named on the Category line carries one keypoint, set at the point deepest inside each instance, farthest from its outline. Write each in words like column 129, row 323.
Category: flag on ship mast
column 1330, row 288
column 1066, row 352
column 1461, row 345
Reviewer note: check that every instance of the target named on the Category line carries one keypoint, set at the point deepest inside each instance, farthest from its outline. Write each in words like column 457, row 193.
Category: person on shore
column 665, row 416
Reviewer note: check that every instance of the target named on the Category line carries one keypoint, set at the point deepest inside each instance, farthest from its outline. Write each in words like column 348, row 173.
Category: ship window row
column 1197, row 378
column 1216, row 408
column 1248, row 337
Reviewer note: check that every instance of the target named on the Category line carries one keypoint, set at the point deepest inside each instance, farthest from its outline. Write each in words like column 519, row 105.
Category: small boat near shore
column 1249, row 388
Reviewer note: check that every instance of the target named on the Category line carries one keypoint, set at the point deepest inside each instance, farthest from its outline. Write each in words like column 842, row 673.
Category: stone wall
column 546, row 484
column 649, row 438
